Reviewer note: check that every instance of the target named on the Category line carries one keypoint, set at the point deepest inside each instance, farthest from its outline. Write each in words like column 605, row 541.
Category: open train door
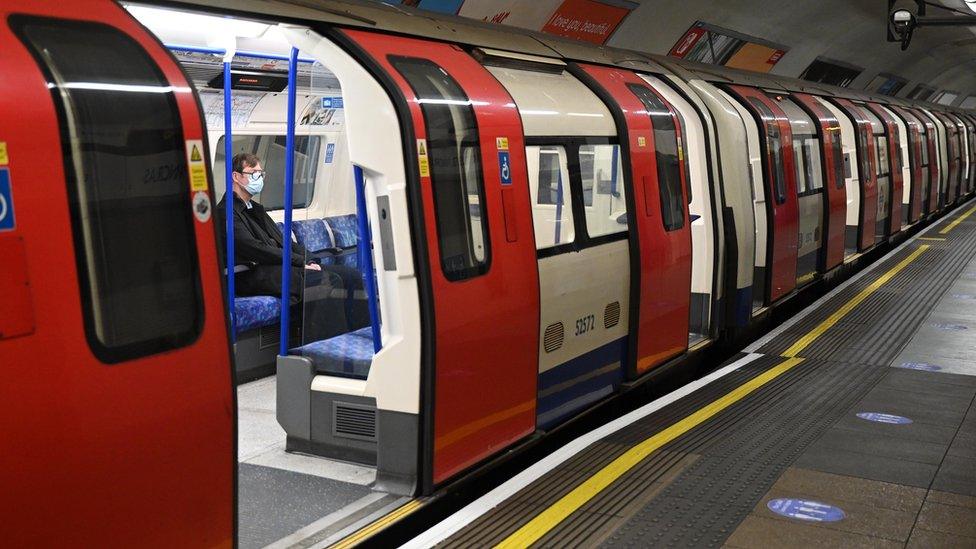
column 118, row 417
column 781, row 197
column 470, row 204
column 660, row 230
column 835, row 197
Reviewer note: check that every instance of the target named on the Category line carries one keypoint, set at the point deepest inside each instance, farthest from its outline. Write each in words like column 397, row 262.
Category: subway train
column 539, row 224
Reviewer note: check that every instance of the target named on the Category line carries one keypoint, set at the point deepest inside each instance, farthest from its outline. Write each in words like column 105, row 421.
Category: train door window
column 603, row 189
column 924, row 138
column 455, row 167
column 807, row 152
column 552, row 211
column 774, row 145
column 271, row 150
column 881, row 142
column 669, row 156
column 840, row 166
column 865, row 161
column 128, row 187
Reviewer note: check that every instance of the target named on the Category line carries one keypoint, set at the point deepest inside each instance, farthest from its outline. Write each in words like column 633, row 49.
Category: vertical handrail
column 229, row 200
column 364, row 249
column 559, row 204
column 289, row 185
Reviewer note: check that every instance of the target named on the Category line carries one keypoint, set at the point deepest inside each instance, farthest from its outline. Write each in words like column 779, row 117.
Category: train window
column 455, row 167
column 865, row 166
column 881, row 142
column 808, row 167
column 603, row 189
column 552, row 211
column 128, row 187
column 840, row 161
column 669, row 156
column 925, row 148
column 271, row 150
column 774, row 146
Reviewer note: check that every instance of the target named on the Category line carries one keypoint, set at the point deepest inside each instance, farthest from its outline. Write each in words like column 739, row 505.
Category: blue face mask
column 254, row 184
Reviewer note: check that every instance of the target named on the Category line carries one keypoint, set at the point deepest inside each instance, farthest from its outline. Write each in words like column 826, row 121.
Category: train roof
column 451, row 28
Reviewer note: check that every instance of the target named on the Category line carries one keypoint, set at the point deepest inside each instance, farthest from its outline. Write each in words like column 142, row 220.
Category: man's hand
column 313, row 267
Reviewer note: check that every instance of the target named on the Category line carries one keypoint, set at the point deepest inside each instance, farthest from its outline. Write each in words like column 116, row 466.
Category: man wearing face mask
column 258, row 242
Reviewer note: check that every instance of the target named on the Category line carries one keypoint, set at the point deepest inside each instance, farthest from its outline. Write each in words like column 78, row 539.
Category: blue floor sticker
column 924, row 366
column 805, row 509
column 950, row 327
column 963, row 296
column 884, row 418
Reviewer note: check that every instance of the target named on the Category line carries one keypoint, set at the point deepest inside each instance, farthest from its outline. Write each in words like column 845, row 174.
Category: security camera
column 903, row 24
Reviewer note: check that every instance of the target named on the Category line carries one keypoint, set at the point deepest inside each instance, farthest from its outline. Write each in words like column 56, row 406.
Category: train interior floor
column 853, row 424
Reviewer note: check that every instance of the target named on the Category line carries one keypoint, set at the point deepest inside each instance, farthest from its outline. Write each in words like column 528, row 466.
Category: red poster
column 688, row 41
column 586, row 20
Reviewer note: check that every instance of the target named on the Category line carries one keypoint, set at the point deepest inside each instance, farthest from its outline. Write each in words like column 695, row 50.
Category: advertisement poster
column 527, row 14
column 586, row 20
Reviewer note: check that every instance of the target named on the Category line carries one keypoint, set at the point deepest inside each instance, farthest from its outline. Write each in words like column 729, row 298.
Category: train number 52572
column 585, row 324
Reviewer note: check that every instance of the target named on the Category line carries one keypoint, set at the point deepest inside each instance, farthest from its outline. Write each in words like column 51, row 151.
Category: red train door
column 835, row 198
column 469, row 156
column 915, row 144
column 867, row 173
column 118, row 405
column 781, row 198
column 894, row 159
column 651, row 136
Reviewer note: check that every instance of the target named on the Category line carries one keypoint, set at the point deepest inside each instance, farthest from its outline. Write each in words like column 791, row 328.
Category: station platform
column 853, row 424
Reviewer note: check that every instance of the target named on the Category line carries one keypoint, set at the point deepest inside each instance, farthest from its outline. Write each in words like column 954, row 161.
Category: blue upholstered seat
column 255, row 312
column 313, row 234
column 347, row 355
column 345, row 229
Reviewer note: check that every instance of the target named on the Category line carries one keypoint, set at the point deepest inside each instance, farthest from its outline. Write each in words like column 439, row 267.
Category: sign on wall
column 586, row 20
column 707, row 43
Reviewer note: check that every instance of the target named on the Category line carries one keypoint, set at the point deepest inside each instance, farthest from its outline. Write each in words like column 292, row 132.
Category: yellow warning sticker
column 501, row 143
column 3, row 154
column 196, row 165
column 681, row 153
column 422, row 160
column 641, row 141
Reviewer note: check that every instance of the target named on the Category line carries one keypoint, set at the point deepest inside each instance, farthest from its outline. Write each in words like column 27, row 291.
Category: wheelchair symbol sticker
column 504, row 168
column 6, row 202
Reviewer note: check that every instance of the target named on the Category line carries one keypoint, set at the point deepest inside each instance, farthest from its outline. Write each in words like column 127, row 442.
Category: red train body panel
column 136, row 453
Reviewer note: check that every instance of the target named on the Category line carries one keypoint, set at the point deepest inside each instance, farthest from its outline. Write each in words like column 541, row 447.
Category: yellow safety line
column 931, row 238
column 377, row 525
column 542, row 523
column 813, row 334
column 548, row 519
column 957, row 221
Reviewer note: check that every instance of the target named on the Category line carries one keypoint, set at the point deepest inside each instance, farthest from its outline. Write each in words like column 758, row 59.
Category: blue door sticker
column 878, row 417
column 332, row 102
column 805, row 509
column 924, row 366
column 329, row 152
column 504, row 167
column 6, row 202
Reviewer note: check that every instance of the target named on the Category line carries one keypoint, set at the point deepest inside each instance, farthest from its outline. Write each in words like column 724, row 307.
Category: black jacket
column 258, row 244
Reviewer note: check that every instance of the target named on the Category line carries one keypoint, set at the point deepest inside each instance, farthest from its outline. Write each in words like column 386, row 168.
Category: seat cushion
column 347, row 355
column 256, row 312
column 345, row 229
column 313, row 234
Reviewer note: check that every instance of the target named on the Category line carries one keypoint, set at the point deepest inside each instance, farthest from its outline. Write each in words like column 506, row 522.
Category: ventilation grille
column 270, row 336
column 553, row 338
column 354, row 421
column 611, row 315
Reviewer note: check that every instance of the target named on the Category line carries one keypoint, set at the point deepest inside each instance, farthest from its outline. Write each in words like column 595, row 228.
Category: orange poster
column 586, row 20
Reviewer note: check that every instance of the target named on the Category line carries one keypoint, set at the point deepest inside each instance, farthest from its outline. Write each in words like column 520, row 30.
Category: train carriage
column 508, row 231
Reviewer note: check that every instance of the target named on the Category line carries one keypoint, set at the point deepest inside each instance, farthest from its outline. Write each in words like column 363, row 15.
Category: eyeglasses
column 253, row 175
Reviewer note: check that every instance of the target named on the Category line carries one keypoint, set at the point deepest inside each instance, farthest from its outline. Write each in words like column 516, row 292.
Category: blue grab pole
column 229, row 201
column 366, row 256
column 559, row 205
column 289, row 188
column 613, row 171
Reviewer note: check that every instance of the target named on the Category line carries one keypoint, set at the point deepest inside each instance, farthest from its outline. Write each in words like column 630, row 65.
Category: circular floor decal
column 950, row 327
column 884, row 418
column 805, row 509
